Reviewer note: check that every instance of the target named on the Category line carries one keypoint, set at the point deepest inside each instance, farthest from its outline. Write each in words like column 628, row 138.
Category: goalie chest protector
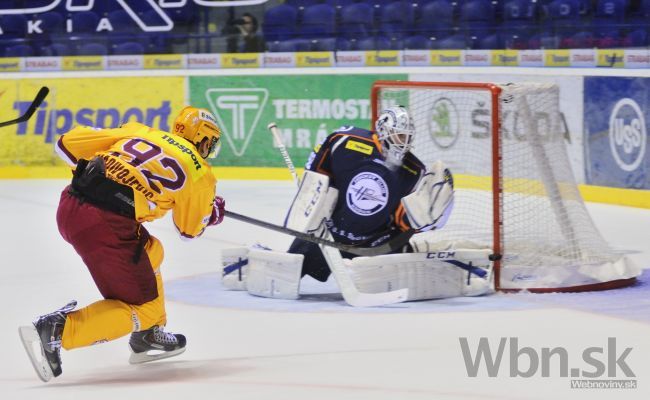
column 369, row 192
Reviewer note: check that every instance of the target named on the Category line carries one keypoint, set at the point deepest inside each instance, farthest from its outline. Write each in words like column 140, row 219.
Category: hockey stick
column 40, row 96
column 283, row 150
column 334, row 260
column 391, row 245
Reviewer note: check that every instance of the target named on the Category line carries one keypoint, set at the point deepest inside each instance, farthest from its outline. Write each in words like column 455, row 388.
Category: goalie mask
column 200, row 127
column 396, row 131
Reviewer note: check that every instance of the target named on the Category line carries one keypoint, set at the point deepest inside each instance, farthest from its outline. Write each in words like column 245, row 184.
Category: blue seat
column 583, row 39
column 184, row 16
column 636, row 36
column 585, row 8
column 128, row 48
column 19, row 50
column 55, row 49
column 544, row 40
column 92, row 49
column 417, row 42
column 477, row 17
column 566, row 10
column 330, row 44
column 644, row 8
column 396, row 19
column 122, row 22
column 338, row 3
column 281, row 46
column 51, row 22
column 487, row 42
column 436, row 17
column 13, row 26
column 453, row 42
column 103, row 8
column 125, row 29
column 289, row 45
column 279, row 23
column 84, row 22
column 356, row 21
column 611, row 9
column 477, row 11
column 302, row 3
column 318, row 20
column 516, row 10
column 519, row 20
column 372, row 43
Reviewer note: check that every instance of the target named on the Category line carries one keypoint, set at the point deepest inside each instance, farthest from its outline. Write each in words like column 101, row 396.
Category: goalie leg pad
column 274, row 274
column 426, row 275
column 235, row 268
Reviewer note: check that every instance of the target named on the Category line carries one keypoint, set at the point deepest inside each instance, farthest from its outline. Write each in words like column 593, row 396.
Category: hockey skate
column 155, row 344
column 46, row 333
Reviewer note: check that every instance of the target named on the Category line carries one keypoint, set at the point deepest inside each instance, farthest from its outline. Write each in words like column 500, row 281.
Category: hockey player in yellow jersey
column 122, row 178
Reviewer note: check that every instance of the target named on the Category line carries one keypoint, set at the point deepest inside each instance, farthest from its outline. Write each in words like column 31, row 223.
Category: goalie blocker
column 432, row 275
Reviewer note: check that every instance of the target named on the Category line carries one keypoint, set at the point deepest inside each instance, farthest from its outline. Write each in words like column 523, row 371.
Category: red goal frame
column 497, row 191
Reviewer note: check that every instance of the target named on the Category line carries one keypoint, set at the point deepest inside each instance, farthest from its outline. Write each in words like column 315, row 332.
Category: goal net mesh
column 547, row 237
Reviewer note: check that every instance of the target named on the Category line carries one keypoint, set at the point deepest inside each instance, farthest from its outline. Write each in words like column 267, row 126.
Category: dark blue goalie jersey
column 368, row 210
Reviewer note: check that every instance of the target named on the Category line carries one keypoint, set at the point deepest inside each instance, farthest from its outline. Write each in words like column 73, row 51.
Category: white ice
column 240, row 347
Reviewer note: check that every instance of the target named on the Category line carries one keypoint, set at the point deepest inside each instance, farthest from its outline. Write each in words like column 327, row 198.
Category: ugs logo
column 367, row 194
column 627, row 134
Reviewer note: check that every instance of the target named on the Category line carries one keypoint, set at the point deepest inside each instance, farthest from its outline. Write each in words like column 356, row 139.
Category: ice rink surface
column 241, row 347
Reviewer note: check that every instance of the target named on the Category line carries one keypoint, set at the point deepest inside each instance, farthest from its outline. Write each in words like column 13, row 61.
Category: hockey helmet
column 197, row 125
column 396, row 131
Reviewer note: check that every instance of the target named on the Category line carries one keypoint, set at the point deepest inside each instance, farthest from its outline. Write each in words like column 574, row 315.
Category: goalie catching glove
column 430, row 204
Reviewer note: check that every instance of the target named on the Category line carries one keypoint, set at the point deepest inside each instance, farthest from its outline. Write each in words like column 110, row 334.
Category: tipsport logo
column 49, row 121
column 134, row 8
column 627, row 134
column 238, row 112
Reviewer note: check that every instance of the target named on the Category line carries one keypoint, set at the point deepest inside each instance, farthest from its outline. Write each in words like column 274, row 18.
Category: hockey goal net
column 515, row 190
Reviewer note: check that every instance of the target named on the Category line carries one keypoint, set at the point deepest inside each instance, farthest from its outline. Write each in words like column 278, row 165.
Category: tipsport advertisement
column 616, row 131
column 98, row 102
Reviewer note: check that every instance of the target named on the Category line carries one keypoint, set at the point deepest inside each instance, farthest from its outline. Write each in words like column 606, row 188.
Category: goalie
column 364, row 188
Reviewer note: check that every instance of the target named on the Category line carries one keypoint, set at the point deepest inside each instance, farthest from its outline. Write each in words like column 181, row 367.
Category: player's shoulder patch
column 361, row 147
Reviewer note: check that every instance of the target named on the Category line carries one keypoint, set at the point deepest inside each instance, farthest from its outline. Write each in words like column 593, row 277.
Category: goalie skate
column 155, row 344
column 42, row 342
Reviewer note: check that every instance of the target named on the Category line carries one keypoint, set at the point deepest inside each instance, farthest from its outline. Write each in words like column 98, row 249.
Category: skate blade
column 140, row 358
column 30, row 338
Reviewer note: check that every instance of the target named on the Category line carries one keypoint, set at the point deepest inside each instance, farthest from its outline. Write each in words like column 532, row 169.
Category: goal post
column 515, row 191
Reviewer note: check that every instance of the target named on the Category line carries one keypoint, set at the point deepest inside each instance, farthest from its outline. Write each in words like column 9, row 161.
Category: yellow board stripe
column 598, row 194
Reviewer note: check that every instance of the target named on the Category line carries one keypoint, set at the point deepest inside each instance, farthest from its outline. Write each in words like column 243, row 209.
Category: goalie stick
column 40, row 96
column 350, row 293
column 391, row 245
column 283, row 150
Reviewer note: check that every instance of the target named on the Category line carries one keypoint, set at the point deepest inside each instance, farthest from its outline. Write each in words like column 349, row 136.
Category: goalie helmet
column 396, row 131
column 197, row 125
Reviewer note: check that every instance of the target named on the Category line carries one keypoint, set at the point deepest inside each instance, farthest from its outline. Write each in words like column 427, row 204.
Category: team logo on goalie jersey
column 367, row 194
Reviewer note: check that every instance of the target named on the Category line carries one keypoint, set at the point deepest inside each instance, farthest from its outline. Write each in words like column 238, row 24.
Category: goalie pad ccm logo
column 367, row 194
column 627, row 134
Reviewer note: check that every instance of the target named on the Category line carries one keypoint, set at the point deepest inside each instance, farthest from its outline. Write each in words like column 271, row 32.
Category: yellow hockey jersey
column 164, row 170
